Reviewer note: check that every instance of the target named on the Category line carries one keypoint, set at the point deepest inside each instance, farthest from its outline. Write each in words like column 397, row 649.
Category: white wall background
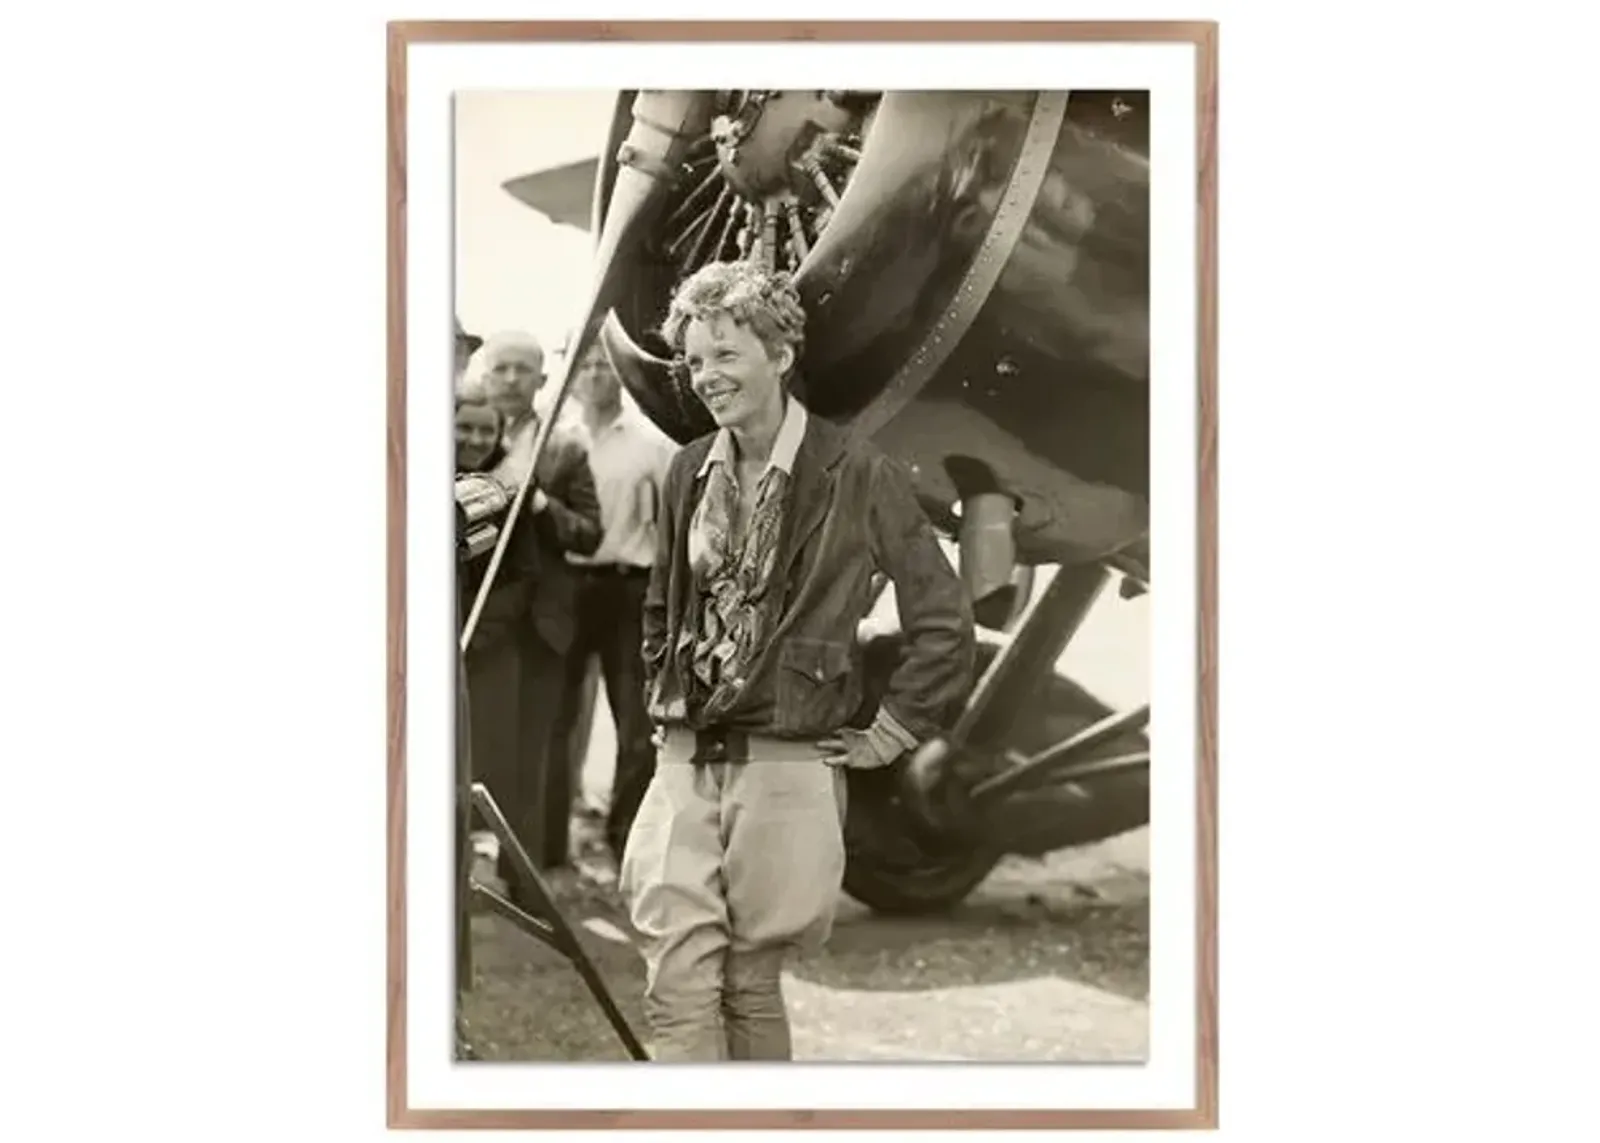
column 193, row 244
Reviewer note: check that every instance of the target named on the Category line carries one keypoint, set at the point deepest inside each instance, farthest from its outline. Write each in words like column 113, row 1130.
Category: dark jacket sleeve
column 936, row 673
column 653, row 646
column 571, row 517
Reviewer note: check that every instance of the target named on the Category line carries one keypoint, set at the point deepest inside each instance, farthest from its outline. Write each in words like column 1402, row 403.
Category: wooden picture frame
column 1203, row 36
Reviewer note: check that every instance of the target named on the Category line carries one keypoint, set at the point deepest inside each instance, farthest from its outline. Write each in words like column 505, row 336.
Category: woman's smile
column 731, row 371
column 720, row 397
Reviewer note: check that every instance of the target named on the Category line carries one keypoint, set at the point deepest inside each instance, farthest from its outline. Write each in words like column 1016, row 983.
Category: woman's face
column 731, row 371
column 477, row 433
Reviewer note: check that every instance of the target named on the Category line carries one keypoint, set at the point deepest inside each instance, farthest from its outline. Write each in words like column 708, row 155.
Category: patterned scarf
column 735, row 576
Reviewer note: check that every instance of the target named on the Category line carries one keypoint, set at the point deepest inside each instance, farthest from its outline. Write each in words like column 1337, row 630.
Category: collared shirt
column 518, row 442
column 784, row 447
column 629, row 459
column 733, row 543
column 858, row 516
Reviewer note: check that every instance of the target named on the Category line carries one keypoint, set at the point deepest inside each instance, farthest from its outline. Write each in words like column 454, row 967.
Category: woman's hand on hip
column 858, row 750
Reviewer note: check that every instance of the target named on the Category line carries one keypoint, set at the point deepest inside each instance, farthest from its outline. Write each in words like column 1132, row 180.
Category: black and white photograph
column 804, row 577
column 775, row 463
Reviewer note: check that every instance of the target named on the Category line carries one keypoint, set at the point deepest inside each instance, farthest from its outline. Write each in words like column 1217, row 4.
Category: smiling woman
column 996, row 249
column 741, row 332
column 774, row 529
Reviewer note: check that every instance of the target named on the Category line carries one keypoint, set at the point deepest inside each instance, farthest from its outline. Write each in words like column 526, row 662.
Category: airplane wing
column 563, row 194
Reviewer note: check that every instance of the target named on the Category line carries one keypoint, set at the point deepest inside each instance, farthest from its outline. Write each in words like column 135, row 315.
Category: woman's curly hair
column 764, row 301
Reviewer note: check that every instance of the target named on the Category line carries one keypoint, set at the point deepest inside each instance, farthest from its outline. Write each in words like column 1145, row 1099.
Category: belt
column 720, row 744
column 612, row 569
column 723, row 744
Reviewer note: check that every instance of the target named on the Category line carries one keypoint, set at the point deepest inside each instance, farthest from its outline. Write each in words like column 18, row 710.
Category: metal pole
column 1058, row 757
column 560, row 935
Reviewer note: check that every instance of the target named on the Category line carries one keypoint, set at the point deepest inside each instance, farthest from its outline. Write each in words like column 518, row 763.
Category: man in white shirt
column 629, row 457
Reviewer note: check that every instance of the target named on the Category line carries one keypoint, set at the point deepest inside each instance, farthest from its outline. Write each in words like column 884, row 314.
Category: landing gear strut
column 545, row 923
column 1034, row 764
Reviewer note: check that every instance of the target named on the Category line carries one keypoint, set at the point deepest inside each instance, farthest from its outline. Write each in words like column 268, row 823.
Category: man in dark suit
column 561, row 515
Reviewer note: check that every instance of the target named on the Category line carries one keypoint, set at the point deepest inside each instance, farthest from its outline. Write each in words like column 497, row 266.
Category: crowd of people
column 567, row 596
column 721, row 586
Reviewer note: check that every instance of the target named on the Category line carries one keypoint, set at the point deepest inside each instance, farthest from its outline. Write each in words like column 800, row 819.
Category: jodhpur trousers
column 730, row 867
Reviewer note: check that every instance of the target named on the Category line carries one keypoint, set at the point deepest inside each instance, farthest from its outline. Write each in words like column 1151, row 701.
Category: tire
column 888, row 869
column 903, row 893
column 893, row 869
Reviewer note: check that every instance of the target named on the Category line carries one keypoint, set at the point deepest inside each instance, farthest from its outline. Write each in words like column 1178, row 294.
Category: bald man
column 513, row 372
column 562, row 516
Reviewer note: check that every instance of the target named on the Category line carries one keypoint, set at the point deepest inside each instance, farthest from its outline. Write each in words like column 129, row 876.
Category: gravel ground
column 1048, row 960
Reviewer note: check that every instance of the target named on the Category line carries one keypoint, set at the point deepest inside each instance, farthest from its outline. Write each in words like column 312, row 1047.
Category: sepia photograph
column 801, row 688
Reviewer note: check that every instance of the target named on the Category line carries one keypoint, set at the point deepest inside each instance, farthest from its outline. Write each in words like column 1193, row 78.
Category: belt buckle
column 716, row 745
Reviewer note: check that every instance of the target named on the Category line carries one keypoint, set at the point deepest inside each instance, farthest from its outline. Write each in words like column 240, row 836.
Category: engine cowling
column 974, row 267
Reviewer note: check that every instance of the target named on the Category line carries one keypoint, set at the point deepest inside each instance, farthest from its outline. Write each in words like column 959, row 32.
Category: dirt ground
column 1047, row 960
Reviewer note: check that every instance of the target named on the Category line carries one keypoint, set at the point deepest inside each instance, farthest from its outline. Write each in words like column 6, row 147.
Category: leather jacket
column 851, row 512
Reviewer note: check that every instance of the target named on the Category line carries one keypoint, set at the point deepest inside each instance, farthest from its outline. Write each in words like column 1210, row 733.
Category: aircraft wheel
column 892, row 869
